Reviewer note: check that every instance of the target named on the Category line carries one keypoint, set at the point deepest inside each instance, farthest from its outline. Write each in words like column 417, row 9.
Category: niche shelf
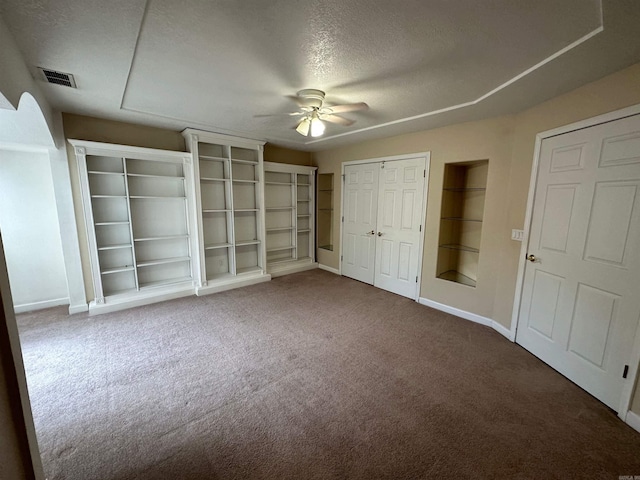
column 461, row 220
column 325, row 211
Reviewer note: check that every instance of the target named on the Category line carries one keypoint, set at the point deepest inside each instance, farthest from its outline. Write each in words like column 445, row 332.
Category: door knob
column 379, row 234
column 372, row 232
column 531, row 258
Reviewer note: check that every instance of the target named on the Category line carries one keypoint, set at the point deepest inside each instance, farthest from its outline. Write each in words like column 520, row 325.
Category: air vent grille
column 57, row 78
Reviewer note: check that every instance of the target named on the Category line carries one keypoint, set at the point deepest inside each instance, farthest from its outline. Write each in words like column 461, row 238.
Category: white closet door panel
column 580, row 304
column 399, row 219
column 360, row 217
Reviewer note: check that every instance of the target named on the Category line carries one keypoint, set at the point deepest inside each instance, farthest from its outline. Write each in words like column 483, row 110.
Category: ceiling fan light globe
column 317, row 127
column 303, row 127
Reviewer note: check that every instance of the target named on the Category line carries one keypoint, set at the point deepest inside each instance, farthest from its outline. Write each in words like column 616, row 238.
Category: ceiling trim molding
column 133, row 56
column 538, row 65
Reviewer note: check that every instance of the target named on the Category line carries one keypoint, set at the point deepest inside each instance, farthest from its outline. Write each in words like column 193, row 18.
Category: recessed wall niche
column 461, row 220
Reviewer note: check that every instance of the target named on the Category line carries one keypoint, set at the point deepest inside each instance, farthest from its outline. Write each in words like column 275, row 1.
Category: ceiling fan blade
column 292, row 114
column 336, row 119
column 350, row 107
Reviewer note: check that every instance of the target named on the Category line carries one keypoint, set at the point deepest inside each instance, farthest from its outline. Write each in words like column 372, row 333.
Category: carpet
column 309, row 376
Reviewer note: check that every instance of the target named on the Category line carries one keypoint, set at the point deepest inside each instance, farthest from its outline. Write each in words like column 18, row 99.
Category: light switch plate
column 517, row 235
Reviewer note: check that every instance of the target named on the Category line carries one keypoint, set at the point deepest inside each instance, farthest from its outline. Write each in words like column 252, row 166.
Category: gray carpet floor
column 309, row 376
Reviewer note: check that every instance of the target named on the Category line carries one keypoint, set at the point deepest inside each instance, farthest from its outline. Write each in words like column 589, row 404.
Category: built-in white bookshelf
column 136, row 205
column 289, row 193
column 228, row 193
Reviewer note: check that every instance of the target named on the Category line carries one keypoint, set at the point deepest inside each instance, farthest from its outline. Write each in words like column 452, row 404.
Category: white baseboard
column 28, row 307
column 467, row 316
column 124, row 301
column 79, row 308
column 329, row 269
column 633, row 420
column 504, row 331
column 231, row 283
column 279, row 270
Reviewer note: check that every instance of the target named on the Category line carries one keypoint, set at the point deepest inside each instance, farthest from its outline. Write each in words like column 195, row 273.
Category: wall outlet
column 517, row 235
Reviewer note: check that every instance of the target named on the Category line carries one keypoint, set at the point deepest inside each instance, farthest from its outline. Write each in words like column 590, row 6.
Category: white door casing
column 360, row 193
column 383, row 210
column 399, row 223
column 579, row 307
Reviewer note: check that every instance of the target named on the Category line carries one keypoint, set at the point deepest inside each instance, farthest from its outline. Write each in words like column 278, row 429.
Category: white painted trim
column 288, row 268
column 328, row 269
column 634, row 361
column 501, row 329
column 231, row 283
column 590, row 122
column 141, row 153
column 423, row 222
column 456, row 311
column 221, row 138
column 633, row 420
column 427, row 165
column 629, row 384
column 60, row 174
column 289, row 168
column 124, row 301
column 477, row 100
column 80, row 308
column 391, row 158
column 28, row 307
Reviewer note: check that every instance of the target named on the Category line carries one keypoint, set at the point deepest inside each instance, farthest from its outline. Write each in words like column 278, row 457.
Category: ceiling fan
column 314, row 112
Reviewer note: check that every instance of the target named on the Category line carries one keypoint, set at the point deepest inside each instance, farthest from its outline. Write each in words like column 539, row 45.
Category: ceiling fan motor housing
column 312, row 97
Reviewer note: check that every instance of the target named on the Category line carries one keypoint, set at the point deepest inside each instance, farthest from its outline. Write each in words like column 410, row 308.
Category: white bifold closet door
column 383, row 205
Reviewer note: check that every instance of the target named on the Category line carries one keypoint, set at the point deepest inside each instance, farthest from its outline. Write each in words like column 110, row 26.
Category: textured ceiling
column 417, row 63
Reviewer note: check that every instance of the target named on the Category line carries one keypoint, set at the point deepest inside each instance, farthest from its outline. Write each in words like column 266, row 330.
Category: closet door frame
column 427, row 158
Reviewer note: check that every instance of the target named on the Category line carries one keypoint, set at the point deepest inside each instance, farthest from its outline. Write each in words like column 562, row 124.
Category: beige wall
column 273, row 153
column 508, row 142
column 488, row 139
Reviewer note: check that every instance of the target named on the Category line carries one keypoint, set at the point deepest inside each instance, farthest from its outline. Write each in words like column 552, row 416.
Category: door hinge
column 416, row 279
column 424, row 174
column 343, row 219
column 341, row 258
column 626, row 371
column 420, row 227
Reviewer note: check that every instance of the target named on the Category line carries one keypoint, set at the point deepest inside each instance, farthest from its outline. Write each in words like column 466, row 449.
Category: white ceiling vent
column 58, row 78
